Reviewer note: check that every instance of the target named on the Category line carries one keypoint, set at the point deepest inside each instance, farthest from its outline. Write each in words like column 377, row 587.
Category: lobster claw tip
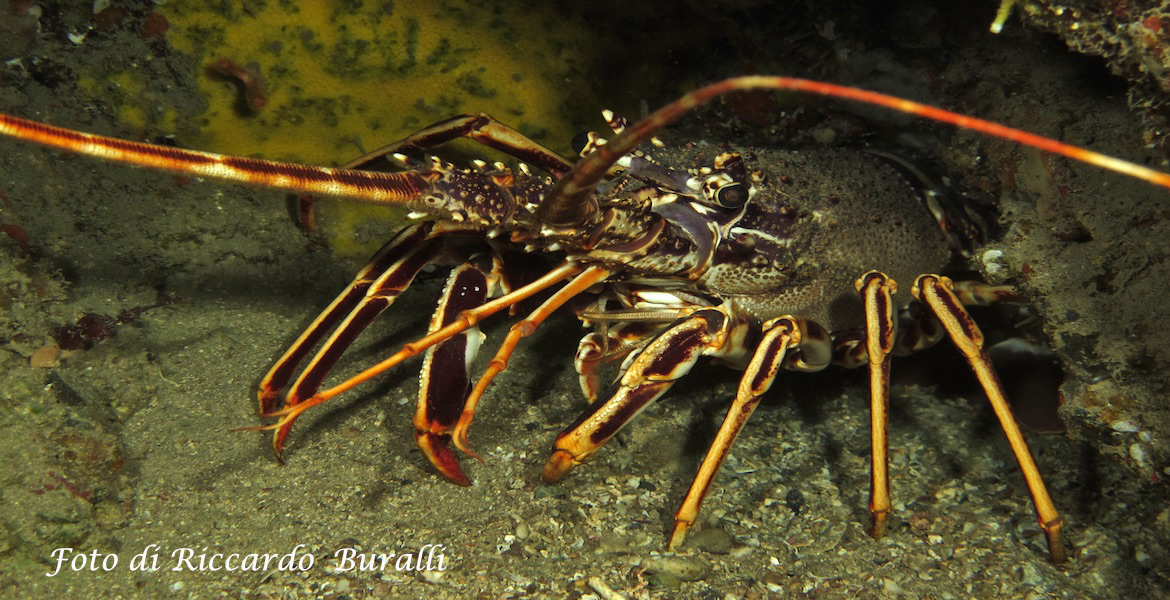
column 437, row 449
column 278, row 438
column 557, row 466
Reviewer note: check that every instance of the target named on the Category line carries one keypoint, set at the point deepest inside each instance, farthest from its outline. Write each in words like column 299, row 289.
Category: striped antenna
column 365, row 186
column 571, row 199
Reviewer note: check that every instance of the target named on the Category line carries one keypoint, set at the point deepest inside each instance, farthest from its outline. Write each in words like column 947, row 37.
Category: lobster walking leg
column 464, row 320
column 935, row 292
column 875, row 289
column 521, row 329
column 668, row 357
column 615, row 343
column 780, row 336
column 375, row 287
column 275, row 382
column 915, row 331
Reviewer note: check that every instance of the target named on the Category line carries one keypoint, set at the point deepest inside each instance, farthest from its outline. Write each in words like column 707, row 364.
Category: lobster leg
column 915, row 331
column 599, row 347
column 359, row 318
column 979, row 293
column 275, row 382
column 463, row 321
column 935, row 292
column 714, row 331
column 789, row 342
column 521, row 329
column 482, row 128
column 373, row 289
column 875, row 289
column 446, row 368
column 445, row 408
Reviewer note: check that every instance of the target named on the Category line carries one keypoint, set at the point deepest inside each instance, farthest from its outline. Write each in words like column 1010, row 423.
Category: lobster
column 669, row 253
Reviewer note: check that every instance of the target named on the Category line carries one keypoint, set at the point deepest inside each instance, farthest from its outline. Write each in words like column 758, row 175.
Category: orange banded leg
column 375, row 287
column 615, row 342
column 935, row 292
column 463, row 321
column 784, row 344
column 667, row 357
column 916, row 329
column 482, row 128
column 446, row 376
column 875, row 289
column 521, row 329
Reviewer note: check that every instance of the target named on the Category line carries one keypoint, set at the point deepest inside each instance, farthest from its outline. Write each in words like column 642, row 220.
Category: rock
column 685, row 568
column 711, row 539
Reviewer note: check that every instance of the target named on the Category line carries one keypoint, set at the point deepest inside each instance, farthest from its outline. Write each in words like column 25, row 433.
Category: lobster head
column 661, row 218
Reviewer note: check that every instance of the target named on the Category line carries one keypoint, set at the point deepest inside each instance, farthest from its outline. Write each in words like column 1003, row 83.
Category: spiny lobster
column 669, row 253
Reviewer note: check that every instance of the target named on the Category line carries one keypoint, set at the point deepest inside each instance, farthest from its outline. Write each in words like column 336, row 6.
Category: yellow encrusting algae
column 343, row 78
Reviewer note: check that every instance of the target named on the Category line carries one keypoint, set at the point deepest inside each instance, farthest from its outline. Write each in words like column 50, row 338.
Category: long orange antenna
column 571, row 199
column 366, row 186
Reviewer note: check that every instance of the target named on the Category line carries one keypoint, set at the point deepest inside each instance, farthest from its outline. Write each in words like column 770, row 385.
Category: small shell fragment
column 46, row 357
column 1125, row 426
column 1138, row 454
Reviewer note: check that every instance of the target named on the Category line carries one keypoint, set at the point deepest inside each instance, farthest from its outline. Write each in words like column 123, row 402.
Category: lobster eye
column 731, row 196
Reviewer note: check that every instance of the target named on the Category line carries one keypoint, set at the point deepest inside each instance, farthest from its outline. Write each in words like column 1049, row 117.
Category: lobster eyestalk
column 570, row 202
column 401, row 189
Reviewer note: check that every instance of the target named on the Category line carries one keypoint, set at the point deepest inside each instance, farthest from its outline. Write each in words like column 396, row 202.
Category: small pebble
column 684, row 568
column 794, row 500
column 891, row 588
column 523, row 530
column 824, row 135
column 549, row 491
column 45, row 357
column 1031, row 574
column 615, row 542
column 711, row 539
column 1138, row 454
column 1125, row 426
column 741, row 552
column 663, row 580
